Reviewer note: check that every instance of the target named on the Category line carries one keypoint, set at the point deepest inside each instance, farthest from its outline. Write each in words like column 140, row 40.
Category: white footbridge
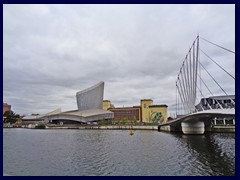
column 197, row 106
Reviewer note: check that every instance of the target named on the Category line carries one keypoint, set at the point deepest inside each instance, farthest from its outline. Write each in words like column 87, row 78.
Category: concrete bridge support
column 193, row 127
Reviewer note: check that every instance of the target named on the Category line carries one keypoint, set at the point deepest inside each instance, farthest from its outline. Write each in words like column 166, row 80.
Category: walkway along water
column 164, row 127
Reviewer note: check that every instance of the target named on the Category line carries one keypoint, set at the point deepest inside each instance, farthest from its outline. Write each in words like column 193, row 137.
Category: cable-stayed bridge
column 202, row 89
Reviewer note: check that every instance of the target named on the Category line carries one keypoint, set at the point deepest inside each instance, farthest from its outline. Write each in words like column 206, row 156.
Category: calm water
column 114, row 152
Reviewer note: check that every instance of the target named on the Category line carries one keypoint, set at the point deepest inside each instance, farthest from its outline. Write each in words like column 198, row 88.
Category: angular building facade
column 91, row 98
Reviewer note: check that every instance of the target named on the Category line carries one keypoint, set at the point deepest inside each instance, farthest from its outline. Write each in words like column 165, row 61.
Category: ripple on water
column 100, row 152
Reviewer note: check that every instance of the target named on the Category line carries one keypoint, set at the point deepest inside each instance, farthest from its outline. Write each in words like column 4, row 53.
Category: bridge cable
column 217, row 45
column 206, row 85
column 187, row 54
column 184, row 97
column 217, row 64
column 215, row 81
column 178, row 105
column 186, row 85
column 195, row 77
column 187, row 99
column 180, row 94
column 181, row 83
column 203, row 97
column 191, row 60
column 176, row 101
column 188, row 78
column 199, row 104
column 209, row 91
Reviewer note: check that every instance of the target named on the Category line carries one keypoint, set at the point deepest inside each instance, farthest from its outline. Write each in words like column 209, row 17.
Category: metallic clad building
column 91, row 98
column 89, row 102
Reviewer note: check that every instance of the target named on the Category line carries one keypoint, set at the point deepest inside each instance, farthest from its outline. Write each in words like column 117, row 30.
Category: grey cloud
column 52, row 51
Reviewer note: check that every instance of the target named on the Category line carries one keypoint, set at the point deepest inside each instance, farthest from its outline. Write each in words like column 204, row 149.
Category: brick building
column 147, row 112
column 6, row 107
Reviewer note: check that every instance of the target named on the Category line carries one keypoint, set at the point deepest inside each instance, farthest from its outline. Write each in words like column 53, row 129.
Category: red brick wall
column 126, row 113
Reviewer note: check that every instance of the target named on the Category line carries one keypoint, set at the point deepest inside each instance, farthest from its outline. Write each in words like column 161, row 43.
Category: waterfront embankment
column 216, row 128
column 106, row 127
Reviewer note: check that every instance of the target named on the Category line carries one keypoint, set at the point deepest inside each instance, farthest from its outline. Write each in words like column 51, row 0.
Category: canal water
column 44, row 152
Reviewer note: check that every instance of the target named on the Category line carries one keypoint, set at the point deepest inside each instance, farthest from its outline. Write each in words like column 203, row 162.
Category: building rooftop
column 87, row 113
column 223, row 97
column 146, row 100
column 160, row 105
column 91, row 88
column 6, row 104
column 124, row 107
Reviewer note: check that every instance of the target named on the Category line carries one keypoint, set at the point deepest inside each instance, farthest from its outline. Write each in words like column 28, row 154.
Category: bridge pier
column 193, row 127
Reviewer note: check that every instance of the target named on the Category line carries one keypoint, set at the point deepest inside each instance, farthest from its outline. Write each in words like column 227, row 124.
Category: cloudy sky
column 52, row 51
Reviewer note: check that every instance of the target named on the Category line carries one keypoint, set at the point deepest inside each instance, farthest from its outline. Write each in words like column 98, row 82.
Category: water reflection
column 109, row 152
column 215, row 151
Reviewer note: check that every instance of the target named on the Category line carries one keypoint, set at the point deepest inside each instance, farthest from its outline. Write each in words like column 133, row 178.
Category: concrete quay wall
column 110, row 127
column 224, row 129
column 220, row 128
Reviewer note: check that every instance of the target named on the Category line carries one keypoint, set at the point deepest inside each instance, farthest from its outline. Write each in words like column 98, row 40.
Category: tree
column 10, row 117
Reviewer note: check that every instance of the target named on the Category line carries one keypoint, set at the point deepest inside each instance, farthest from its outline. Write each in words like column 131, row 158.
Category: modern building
column 91, row 98
column 6, row 107
column 146, row 112
column 216, row 102
column 89, row 102
column 92, row 108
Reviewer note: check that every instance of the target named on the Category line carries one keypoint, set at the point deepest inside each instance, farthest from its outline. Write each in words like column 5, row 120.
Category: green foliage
column 10, row 117
column 135, row 121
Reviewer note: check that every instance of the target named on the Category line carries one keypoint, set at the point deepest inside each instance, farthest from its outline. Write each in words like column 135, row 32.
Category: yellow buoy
column 131, row 132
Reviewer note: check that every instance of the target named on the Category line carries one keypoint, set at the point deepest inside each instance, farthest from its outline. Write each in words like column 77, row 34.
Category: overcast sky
column 52, row 51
